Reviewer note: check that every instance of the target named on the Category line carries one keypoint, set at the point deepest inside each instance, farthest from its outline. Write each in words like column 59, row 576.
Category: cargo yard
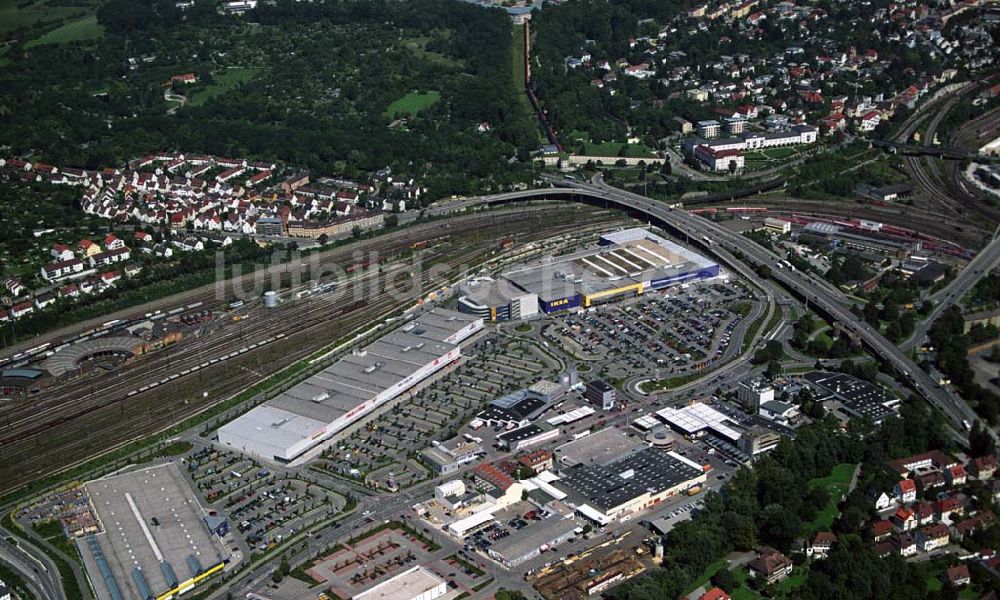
column 154, row 391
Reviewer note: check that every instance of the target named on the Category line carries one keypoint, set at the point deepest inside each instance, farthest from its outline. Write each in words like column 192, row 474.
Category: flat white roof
column 460, row 526
column 571, row 416
column 408, row 584
column 698, row 416
column 592, row 513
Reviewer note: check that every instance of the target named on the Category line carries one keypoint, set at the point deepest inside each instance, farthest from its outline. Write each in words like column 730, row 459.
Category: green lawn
column 517, row 61
column 418, row 45
column 86, row 28
column 223, row 82
column 613, row 148
column 13, row 16
column 797, row 579
column 836, row 485
column 702, row 579
column 778, row 153
column 412, row 103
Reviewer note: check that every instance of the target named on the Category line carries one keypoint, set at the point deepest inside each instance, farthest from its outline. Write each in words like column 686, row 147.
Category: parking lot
column 668, row 332
column 377, row 453
column 264, row 507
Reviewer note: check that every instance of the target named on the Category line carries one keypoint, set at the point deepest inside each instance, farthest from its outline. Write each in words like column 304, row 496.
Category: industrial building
column 698, row 419
column 628, row 263
column 858, row 398
column 495, row 301
column 154, row 542
column 525, row 437
column 531, row 541
column 519, row 408
column 446, row 460
column 605, row 493
column 287, row 426
column 417, row 583
column 601, row 447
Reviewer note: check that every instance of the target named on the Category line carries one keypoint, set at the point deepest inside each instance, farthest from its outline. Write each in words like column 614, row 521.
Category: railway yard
column 76, row 418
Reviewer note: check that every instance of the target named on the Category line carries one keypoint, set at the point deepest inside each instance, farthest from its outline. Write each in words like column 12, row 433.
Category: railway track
column 81, row 417
column 209, row 294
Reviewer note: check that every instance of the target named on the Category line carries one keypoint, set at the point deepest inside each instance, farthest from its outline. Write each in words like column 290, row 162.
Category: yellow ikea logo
column 562, row 302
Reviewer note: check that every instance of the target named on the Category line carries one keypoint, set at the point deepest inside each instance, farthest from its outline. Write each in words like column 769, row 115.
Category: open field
column 616, row 149
column 418, row 45
column 85, row 28
column 835, row 484
column 13, row 16
column 223, row 83
column 412, row 103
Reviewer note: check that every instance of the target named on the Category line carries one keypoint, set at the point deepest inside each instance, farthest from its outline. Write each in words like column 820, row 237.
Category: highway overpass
column 718, row 240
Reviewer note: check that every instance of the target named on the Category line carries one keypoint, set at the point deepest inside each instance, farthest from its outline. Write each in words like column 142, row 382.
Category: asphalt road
column 982, row 264
column 34, row 567
column 706, row 233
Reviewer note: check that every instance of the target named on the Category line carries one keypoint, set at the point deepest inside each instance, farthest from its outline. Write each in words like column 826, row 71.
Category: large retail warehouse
column 628, row 263
column 287, row 426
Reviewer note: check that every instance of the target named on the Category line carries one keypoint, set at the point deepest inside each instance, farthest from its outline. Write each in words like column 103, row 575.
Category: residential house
column 983, row 467
column 61, row 252
column 22, row 308
column 770, row 565
column 112, row 242
column 869, row 121
column 956, row 475
column 880, row 499
column 715, row 594
column 929, row 481
column 906, row 543
column 946, row 507
column 109, row 278
column 54, row 271
column 46, row 299
column 932, row 537
column 958, row 576
column 821, row 544
column 972, row 524
column 924, row 511
column 881, row 530
column 111, row 256
column 15, row 287
column 904, row 519
column 89, row 248
column 906, row 491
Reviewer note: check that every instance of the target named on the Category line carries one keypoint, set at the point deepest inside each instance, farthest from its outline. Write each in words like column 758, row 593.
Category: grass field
column 835, row 484
column 796, row 580
column 223, row 82
column 85, row 28
column 517, row 60
column 38, row 13
column 613, row 149
column 412, row 103
column 743, row 592
column 778, row 153
column 418, row 45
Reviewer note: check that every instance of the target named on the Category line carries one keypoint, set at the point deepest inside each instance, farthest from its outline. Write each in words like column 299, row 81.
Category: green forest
column 310, row 84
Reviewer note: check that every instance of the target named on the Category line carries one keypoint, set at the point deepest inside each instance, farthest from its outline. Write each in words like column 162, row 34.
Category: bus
column 707, row 241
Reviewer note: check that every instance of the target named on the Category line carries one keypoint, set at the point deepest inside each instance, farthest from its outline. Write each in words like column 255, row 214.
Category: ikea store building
column 289, row 425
